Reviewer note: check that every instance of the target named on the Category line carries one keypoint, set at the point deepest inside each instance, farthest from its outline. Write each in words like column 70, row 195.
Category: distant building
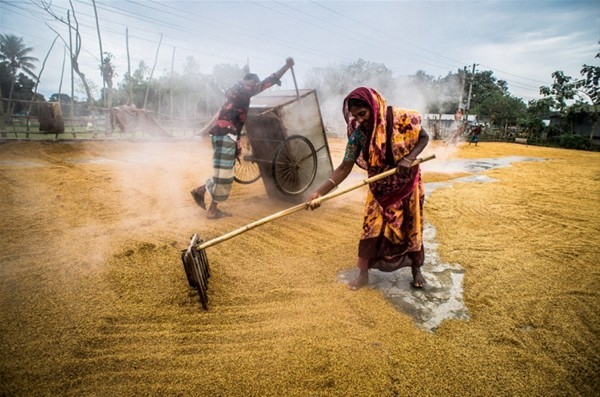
column 443, row 126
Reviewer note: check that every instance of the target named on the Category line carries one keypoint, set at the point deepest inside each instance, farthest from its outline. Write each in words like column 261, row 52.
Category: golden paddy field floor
column 94, row 300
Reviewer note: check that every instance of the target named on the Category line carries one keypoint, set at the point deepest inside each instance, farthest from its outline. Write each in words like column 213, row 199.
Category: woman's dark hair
column 357, row 103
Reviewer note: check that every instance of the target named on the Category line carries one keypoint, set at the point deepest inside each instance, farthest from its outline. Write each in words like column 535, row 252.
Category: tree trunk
column 10, row 94
column 86, row 86
column 101, row 52
column 75, row 66
column 595, row 118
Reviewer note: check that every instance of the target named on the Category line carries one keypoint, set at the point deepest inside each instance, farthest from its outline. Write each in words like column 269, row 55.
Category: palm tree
column 15, row 55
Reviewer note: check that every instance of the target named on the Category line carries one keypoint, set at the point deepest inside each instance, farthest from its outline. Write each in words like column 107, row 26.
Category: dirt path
column 94, row 300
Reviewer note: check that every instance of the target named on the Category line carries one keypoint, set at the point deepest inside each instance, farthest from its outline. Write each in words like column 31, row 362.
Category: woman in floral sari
column 381, row 138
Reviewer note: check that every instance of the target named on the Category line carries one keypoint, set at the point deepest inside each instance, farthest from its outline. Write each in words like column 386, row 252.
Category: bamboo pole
column 128, row 68
column 303, row 206
column 72, row 112
column 171, row 84
column 37, row 82
column 295, row 84
column 62, row 75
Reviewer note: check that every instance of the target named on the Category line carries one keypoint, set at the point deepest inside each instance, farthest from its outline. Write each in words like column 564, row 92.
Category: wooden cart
column 284, row 143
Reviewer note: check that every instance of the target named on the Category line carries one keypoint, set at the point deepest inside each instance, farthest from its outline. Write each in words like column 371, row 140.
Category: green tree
column 329, row 82
column 23, row 92
column 368, row 73
column 440, row 94
column 582, row 91
column 108, row 72
column 562, row 90
column 490, row 98
column 205, row 92
column 136, row 83
column 66, row 102
column 15, row 54
column 193, row 94
column 74, row 42
column 485, row 88
column 337, row 81
column 502, row 109
column 334, row 82
column 443, row 99
column 533, row 122
column 589, row 85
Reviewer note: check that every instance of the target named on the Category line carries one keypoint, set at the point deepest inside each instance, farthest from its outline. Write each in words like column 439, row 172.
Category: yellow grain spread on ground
column 94, row 300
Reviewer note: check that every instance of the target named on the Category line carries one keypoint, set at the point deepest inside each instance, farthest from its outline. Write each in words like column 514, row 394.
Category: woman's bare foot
column 360, row 281
column 418, row 279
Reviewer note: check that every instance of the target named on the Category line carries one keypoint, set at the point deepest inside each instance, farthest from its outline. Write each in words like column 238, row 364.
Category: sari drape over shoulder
column 392, row 235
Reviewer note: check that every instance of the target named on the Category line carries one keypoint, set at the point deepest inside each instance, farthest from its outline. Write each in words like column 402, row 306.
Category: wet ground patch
column 441, row 299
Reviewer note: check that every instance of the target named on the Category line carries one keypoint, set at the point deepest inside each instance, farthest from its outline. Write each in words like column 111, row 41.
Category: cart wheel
column 294, row 165
column 245, row 170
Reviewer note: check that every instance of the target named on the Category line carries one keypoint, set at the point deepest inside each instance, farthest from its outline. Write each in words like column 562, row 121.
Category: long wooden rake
column 195, row 261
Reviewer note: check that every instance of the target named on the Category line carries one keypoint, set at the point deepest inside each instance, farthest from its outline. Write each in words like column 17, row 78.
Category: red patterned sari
column 392, row 235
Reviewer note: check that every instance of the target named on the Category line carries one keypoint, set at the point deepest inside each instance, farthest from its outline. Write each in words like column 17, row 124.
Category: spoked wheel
column 245, row 170
column 294, row 165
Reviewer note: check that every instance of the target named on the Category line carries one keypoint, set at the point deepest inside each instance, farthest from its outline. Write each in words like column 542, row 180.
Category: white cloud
column 521, row 42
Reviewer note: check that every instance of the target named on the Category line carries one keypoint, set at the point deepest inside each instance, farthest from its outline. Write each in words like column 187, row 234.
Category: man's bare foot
column 418, row 279
column 216, row 214
column 360, row 281
column 198, row 195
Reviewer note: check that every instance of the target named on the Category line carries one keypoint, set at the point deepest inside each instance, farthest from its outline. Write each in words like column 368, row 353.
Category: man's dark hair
column 252, row 77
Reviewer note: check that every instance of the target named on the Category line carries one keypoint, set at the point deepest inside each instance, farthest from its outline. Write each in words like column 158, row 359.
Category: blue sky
column 522, row 42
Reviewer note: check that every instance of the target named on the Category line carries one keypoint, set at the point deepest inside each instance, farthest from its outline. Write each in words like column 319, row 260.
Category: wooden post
column 128, row 67
column 171, row 83
column 152, row 72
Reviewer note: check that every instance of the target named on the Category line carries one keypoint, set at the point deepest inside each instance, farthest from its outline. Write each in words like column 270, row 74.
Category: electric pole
column 470, row 91
column 471, row 86
column 462, row 89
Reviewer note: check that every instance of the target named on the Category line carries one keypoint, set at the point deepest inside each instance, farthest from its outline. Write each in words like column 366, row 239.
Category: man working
column 225, row 129
column 475, row 132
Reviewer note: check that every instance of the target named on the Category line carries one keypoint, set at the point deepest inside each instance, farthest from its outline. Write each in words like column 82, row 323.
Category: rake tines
column 195, row 264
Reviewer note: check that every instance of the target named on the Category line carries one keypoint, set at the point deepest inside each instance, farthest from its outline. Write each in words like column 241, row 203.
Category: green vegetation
column 572, row 105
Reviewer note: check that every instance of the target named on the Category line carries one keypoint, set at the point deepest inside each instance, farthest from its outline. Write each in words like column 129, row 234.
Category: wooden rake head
column 195, row 264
